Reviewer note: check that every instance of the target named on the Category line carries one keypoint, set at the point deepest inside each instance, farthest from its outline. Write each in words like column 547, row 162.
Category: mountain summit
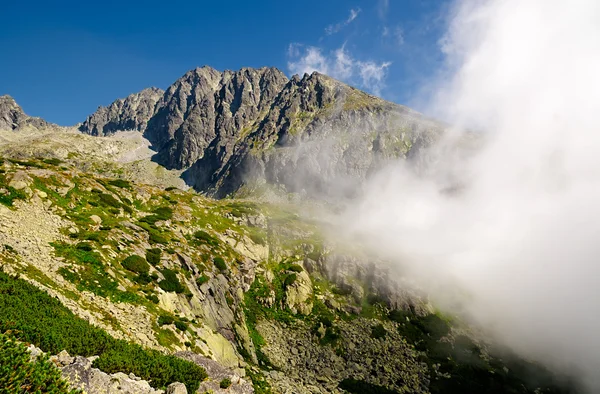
column 235, row 128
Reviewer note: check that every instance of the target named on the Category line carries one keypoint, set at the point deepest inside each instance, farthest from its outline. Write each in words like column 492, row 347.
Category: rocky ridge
column 236, row 129
column 131, row 113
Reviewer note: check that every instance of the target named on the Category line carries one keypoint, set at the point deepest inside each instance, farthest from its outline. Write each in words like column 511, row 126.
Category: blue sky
column 62, row 60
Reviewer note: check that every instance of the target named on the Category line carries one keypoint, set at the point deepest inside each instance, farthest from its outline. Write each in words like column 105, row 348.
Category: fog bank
column 520, row 237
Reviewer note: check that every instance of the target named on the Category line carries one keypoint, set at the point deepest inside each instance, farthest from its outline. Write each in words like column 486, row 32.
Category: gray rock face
column 235, row 128
column 206, row 110
column 12, row 116
column 131, row 113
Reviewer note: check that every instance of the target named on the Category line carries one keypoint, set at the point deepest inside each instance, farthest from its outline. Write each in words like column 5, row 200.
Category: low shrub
column 220, row 263
column 378, row 331
column 153, row 256
column 181, row 326
column 225, row 383
column 108, row 200
column 290, row 280
column 205, row 237
column 20, row 374
column 38, row 318
column 122, row 183
column 165, row 319
column 137, row 264
column 171, row 283
column 202, row 280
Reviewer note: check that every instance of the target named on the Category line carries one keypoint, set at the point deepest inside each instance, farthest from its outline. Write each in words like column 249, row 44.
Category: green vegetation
column 181, row 326
column 11, row 194
column 220, row 263
column 123, row 184
column 153, row 256
column 20, row 374
column 206, row 238
column 137, row 264
column 378, row 331
column 159, row 214
column 53, row 161
column 171, row 283
column 202, row 280
column 260, row 384
column 109, row 200
column 37, row 318
column 165, row 319
column 225, row 383
column 290, row 280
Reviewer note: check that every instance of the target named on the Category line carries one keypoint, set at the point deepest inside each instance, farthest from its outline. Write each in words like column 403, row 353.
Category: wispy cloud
column 332, row 29
column 382, row 8
column 339, row 64
column 396, row 35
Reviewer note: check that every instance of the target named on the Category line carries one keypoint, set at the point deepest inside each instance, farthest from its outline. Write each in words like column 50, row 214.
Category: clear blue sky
column 62, row 59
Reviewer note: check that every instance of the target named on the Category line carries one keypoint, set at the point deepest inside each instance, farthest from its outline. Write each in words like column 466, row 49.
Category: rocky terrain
column 235, row 295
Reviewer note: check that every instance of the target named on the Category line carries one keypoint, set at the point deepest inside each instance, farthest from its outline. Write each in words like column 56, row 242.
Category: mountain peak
column 130, row 113
column 12, row 116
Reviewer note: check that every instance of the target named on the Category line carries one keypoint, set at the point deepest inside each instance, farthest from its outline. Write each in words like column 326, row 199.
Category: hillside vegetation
column 144, row 276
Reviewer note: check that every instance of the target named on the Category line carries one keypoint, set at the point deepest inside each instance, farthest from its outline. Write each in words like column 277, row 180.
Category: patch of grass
column 159, row 214
column 35, row 317
column 89, row 273
column 11, row 194
column 53, row 161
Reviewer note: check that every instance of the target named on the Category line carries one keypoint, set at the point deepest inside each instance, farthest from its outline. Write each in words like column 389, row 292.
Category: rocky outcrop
column 131, row 113
column 80, row 374
column 12, row 116
column 217, row 373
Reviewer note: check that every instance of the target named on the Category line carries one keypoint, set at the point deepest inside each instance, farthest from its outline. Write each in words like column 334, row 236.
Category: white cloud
column 382, row 8
column 385, row 31
column 517, row 245
column 332, row 29
column 338, row 64
column 310, row 60
column 373, row 75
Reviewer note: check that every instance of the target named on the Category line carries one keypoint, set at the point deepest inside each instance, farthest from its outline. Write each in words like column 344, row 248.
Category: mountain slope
column 240, row 129
column 237, row 287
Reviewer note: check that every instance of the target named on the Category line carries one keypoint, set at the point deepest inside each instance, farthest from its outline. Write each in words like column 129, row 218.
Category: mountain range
column 234, row 129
